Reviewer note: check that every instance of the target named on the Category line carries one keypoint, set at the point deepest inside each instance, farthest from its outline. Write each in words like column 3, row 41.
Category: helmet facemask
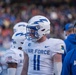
column 32, row 32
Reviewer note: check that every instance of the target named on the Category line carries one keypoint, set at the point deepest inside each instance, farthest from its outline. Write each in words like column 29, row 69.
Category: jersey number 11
column 36, row 62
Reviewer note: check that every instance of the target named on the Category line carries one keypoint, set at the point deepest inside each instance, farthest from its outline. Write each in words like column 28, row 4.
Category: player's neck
column 42, row 39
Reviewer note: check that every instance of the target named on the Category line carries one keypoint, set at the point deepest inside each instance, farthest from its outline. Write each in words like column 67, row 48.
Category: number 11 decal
column 36, row 62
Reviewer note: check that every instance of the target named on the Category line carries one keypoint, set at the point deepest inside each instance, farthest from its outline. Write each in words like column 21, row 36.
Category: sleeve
column 66, row 66
column 59, row 47
column 11, row 57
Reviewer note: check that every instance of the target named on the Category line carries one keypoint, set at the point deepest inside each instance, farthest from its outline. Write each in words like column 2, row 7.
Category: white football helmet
column 20, row 26
column 40, row 25
column 18, row 39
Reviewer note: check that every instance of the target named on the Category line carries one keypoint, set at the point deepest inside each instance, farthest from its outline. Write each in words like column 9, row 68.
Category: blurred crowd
column 10, row 14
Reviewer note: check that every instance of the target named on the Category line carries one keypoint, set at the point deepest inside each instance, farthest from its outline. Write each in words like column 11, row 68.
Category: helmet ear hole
column 21, row 42
column 20, row 48
column 43, row 30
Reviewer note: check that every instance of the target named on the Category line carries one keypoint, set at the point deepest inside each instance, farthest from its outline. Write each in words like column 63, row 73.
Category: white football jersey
column 40, row 55
column 15, row 56
column 3, row 65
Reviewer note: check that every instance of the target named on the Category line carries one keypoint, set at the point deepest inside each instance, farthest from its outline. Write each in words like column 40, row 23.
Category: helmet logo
column 20, row 34
column 40, row 20
column 21, row 25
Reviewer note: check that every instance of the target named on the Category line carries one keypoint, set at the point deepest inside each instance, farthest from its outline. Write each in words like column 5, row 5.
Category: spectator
column 70, row 40
column 69, row 65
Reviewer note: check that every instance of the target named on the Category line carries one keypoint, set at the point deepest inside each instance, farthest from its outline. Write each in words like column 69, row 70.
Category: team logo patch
column 9, row 58
column 62, row 47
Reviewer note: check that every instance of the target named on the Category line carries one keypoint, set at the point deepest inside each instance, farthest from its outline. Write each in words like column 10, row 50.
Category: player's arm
column 57, row 58
column 59, row 48
column 12, row 68
column 11, row 60
column 25, row 65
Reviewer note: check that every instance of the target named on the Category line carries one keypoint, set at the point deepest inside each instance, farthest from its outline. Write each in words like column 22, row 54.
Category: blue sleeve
column 68, row 45
column 63, row 56
column 65, row 68
column 66, row 64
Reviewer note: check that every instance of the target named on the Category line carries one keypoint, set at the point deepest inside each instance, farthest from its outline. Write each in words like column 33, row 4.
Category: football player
column 45, row 55
column 15, row 57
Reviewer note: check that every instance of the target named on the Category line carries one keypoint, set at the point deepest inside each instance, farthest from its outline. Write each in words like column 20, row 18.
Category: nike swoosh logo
column 46, row 46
